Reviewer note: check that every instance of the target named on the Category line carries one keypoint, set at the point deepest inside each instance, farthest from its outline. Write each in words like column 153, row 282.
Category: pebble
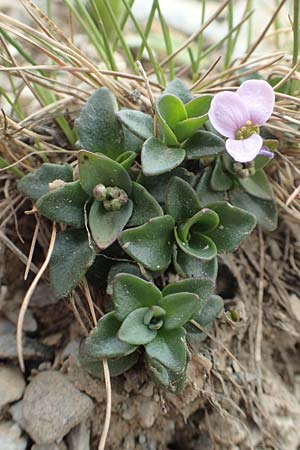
column 16, row 411
column 79, row 437
column 10, row 437
column 12, row 385
column 52, row 407
column 31, row 348
column 61, row 446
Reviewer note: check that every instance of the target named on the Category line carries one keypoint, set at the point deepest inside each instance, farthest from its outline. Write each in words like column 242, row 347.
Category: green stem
column 229, row 48
column 296, row 31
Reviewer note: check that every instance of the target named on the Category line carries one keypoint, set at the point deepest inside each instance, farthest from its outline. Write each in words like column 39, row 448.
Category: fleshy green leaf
column 102, row 341
column 117, row 366
column 201, row 287
column 209, row 313
column 134, row 331
column 178, row 88
column 169, row 349
column 139, row 123
column 204, row 191
column 168, row 379
column 198, row 245
column 185, row 129
column 131, row 292
column 157, row 185
column 235, row 224
column 126, row 159
column 36, row 183
column 257, row 185
column 264, row 210
column 64, row 205
column 171, row 109
column 180, row 308
column 72, row 256
column 181, row 200
column 157, row 158
column 204, row 144
column 188, row 266
column 106, row 226
column 151, row 243
column 95, row 168
column 145, row 207
column 220, row 180
column 132, row 143
column 118, row 268
column 97, row 127
column 203, row 221
column 199, row 106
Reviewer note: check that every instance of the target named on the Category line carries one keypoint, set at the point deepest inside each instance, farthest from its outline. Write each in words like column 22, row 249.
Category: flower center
column 246, row 131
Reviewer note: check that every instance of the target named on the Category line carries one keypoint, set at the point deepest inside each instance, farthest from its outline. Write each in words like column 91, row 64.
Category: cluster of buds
column 244, row 170
column 112, row 198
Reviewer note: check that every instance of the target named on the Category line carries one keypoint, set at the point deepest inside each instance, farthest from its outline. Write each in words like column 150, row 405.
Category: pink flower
column 238, row 116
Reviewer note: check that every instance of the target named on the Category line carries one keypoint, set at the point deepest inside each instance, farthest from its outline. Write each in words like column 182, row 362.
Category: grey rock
column 10, row 437
column 43, row 296
column 52, row 407
column 31, row 348
column 16, row 411
column 6, row 327
column 12, row 385
column 79, row 437
column 61, row 446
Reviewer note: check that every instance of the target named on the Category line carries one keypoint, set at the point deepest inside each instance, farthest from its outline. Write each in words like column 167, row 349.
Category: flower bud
column 115, row 204
column 100, row 192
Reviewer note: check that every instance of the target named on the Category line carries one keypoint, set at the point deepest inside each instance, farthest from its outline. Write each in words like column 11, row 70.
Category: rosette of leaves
column 245, row 185
column 146, row 318
column 104, row 200
column 179, row 117
column 196, row 231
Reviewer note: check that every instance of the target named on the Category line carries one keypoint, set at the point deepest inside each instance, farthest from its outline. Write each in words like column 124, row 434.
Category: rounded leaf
column 235, row 224
column 116, row 366
column 169, row 349
column 137, row 122
column 130, row 292
column 102, row 341
column 189, row 266
column 72, row 256
column 199, row 106
column 185, row 129
column 220, row 180
column 180, row 307
column 150, row 244
column 204, row 144
column 64, row 205
column 198, row 246
column 178, row 88
column 95, row 168
column 204, row 190
column 97, row 127
column 35, row 184
column 133, row 330
column 157, row 158
column 264, row 210
column 106, row 226
column 145, row 207
column 181, row 200
column 258, row 185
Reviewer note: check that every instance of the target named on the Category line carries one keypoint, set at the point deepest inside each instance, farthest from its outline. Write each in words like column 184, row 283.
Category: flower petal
column 244, row 150
column 228, row 113
column 264, row 151
column 259, row 97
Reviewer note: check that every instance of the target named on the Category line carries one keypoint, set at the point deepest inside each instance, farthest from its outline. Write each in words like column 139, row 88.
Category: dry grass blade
column 28, row 296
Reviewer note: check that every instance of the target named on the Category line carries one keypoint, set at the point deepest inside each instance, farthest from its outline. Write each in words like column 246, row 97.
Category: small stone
column 147, row 412
column 227, row 431
column 52, row 407
column 16, row 411
column 295, row 305
column 6, row 327
column 61, row 446
column 31, row 348
column 79, row 437
column 12, row 385
column 10, row 437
